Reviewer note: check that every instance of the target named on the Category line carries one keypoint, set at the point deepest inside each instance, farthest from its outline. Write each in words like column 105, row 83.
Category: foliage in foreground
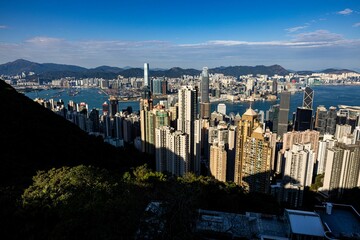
column 85, row 202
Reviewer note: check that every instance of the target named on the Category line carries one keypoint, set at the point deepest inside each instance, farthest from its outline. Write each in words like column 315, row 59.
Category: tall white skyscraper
column 187, row 113
column 342, row 169
column 146, row 75
column 299, row 164
column 172, row 151
column 328, row 141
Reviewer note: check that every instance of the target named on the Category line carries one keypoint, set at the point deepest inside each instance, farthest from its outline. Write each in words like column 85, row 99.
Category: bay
column 323, row 95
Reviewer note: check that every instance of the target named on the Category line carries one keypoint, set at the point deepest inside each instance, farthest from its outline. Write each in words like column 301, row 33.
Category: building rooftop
column 344, row 220
column 238, row 225
column 250, row 112
column 305, row 223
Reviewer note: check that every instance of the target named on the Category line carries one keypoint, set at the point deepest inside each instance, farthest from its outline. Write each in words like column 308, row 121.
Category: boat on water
column 73, row 92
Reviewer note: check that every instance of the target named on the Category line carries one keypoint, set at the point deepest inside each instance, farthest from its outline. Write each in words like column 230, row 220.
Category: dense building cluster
column 262, row 152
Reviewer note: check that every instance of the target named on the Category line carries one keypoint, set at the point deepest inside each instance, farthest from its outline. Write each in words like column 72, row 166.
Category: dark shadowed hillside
column 34, row 138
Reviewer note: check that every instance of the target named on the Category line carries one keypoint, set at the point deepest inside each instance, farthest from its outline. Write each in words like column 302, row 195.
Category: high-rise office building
column 320, row 119
column 114, row 105
column 272, row 118
column 274, row 87
column 205, row 85
column 303, row 119
column 331, row 120
column 308, row 98
column 205, row 105
column 105, row 108
column 94, row 120
column 118, row 127
column 283, row 113
column 107, row 125
column 146, row 75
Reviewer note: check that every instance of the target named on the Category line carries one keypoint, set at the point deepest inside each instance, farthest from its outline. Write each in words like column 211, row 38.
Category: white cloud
column 295, row 29
column 316, row 36
column 3, row 26
column 319, row 38
column 307, row 49
column 44, row 40
column 346, row 11
column 356, row 24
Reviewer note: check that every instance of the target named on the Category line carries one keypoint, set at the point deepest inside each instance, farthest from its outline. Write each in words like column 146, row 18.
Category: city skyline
column 297, row 35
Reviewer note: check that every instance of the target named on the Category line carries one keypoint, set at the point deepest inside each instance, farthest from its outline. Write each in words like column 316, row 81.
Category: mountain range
column 49, row 71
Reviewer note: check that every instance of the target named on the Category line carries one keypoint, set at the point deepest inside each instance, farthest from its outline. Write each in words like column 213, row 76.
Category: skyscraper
column 253, row 154
column 308, row 98
column 331, row 120
column 162, row 138
column 303, row 119
column 113, row 105
column 218, row 160
column 328, row 141
column 105, row 108
column 299, row 164
column 94, row 121
column 172, row 151
column 283, row 113
column 205, row 101
column 320, row 119
column 342, row 169
column 153, row 119
column 146, row 105
column 187, row 113
column 205, row 85
column 298, row 173
column 146, row 75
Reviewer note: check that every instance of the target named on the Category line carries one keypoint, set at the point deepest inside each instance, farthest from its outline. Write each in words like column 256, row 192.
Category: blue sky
column 299, row 35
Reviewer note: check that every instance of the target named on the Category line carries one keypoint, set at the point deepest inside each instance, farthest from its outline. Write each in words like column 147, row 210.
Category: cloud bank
column 307, row 50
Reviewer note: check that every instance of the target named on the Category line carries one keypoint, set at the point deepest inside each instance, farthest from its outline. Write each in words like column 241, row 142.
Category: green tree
column 81, row 202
